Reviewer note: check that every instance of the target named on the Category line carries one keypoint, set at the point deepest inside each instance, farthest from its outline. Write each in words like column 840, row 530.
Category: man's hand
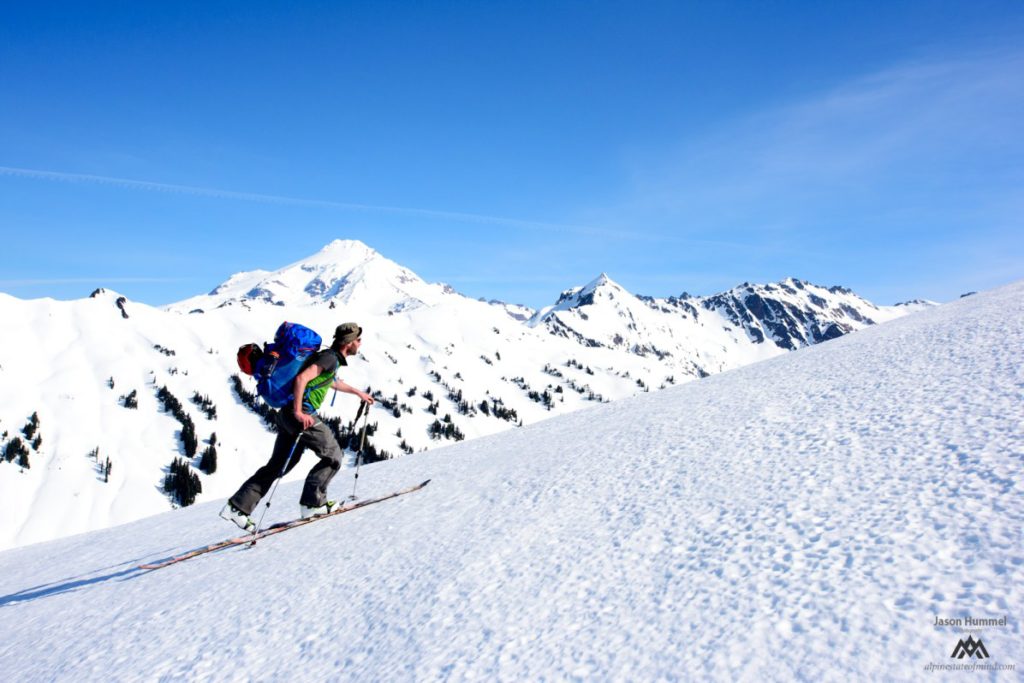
column 349, row 389
column 305, row 420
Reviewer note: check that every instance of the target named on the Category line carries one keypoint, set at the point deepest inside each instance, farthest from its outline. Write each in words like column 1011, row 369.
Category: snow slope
column 806, row 517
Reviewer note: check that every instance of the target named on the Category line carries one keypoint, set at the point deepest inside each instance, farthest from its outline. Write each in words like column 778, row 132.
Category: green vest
column 317, row 388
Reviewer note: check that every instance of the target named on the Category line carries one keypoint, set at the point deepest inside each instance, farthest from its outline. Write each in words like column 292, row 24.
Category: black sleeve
column 327, row 361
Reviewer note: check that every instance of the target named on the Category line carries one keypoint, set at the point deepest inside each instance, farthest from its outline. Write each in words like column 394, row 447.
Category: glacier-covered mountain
column 345, row 272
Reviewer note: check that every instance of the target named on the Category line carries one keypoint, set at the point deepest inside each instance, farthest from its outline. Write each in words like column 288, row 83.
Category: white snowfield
column 808, row 517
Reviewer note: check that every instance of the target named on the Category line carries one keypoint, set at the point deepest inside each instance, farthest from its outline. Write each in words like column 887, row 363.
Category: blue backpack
column 276, row 365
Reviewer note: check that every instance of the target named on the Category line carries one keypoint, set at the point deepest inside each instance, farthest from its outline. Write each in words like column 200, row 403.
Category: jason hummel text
column 969, row 622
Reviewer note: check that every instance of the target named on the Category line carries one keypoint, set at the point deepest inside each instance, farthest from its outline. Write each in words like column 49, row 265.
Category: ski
column 276, row 529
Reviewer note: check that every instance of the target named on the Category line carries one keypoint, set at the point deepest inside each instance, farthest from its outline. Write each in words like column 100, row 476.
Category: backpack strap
column 317, row 382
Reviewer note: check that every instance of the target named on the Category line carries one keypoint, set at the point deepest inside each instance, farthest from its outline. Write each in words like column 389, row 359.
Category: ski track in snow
column 806, row 517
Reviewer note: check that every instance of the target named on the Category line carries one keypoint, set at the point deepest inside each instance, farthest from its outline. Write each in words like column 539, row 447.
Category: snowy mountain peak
column 105, row 293
column 343, row 251
column 342, row 272
column 599, row 281
column 601, row 287
column 603, row 314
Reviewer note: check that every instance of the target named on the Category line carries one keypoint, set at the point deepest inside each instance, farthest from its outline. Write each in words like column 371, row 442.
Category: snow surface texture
column 805, row 517
column 601, row 344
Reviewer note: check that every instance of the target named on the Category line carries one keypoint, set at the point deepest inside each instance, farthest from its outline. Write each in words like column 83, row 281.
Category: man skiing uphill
column 300, row 421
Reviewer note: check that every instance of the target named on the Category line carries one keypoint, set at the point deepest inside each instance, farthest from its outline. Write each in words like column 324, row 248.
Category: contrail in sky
column 297, row 201
column 88, row 280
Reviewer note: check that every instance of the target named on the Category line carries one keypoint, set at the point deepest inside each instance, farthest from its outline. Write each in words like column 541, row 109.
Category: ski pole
column 362, row 442
column 277, row 481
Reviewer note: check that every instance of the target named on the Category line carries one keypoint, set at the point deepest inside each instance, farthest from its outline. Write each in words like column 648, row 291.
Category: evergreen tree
column 205, row 404
column 16, row 449
column 29, row 430
column 181, row 483
column 208, row 463
column 131, row 401
column 188, row 437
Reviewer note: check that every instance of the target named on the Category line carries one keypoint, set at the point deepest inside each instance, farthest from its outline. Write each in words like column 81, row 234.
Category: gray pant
column 317, row 438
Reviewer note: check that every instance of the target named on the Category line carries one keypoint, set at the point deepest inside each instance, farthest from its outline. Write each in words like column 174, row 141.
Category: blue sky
column 514, row 149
